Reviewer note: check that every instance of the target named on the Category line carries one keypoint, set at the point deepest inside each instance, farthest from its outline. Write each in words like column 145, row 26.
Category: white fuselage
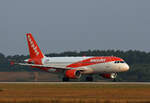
column 106, row 67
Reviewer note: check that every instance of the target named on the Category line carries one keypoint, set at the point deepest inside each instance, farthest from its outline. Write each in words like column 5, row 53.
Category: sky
column 74, row 25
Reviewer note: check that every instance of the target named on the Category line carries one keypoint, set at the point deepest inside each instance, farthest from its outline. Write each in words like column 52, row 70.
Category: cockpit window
column 122, row 61
column 119, row 62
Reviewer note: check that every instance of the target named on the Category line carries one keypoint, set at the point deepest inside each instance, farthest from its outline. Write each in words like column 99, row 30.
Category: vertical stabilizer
column 34, row 50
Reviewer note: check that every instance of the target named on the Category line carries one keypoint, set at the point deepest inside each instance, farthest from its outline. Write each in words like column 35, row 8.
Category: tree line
column 139, row 62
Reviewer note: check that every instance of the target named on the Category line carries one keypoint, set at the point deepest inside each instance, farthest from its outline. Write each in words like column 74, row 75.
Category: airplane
column 74, row 67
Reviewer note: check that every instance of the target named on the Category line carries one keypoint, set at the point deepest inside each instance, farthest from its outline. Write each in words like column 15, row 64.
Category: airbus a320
column 74, row 67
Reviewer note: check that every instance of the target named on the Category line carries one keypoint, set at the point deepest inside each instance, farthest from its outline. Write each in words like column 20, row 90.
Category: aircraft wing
column 50, row 66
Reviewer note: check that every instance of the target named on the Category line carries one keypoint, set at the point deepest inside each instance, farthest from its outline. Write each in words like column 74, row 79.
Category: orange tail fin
column 34, row 50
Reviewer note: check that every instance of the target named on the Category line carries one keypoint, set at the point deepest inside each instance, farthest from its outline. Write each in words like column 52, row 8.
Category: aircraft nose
column 125, row 67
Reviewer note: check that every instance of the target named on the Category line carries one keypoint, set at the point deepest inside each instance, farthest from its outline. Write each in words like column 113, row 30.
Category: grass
column 74, row 93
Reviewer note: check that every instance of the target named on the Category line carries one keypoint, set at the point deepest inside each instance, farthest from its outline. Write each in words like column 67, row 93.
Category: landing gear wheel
column 114, row 80
column 65, row 79
column 89, row 79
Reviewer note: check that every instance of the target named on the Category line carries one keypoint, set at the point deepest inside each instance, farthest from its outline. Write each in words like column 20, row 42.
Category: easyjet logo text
column 33, row 46
column 98, row 60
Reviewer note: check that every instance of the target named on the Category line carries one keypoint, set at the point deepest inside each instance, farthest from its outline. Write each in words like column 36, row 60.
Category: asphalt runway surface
column 138, row 83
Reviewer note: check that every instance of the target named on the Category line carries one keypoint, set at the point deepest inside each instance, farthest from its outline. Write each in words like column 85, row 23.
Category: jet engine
column 73, row 74
column 109, row 75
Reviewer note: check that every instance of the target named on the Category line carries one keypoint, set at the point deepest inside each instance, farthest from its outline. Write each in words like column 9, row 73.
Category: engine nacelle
column 109, row 75
column 73, row 74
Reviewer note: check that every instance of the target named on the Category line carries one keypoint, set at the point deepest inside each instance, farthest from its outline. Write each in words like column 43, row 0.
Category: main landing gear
column 89, row 79
column 65, row 79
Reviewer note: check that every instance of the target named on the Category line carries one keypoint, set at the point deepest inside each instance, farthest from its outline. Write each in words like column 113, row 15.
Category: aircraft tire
column 114, row 80
column 89, row 79
column 65, row 79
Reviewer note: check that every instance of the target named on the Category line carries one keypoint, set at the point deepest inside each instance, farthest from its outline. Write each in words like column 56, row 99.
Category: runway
column 138, row 83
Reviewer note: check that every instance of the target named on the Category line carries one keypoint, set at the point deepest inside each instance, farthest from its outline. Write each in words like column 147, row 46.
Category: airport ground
column 59, row 92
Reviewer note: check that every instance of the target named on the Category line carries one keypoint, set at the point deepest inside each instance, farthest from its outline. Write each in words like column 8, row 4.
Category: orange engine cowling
column 109, row 75
column 73, row 74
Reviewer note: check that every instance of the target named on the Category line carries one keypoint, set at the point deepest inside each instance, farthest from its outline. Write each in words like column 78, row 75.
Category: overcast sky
column 64, row 25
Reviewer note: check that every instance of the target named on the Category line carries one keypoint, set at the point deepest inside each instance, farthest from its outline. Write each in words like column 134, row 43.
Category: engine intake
column 73, row 74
